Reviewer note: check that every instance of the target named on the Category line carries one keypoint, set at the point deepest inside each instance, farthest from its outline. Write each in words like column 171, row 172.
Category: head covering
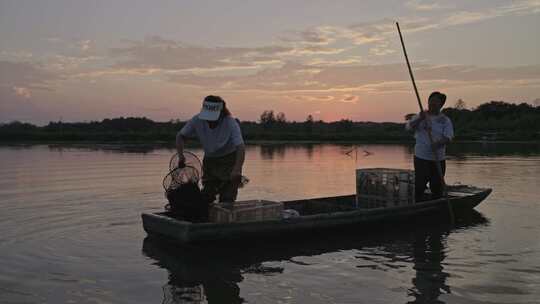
column 439, row 95
column 211, row 109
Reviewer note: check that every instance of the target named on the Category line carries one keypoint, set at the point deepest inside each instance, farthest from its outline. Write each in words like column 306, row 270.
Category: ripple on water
column 71, row 231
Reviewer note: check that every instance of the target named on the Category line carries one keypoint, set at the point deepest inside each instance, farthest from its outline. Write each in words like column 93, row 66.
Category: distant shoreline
column 490, row 123
column 248, row 142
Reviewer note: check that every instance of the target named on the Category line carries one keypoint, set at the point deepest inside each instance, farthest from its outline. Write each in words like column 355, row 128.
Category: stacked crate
column 384, row 188
column 245, row 211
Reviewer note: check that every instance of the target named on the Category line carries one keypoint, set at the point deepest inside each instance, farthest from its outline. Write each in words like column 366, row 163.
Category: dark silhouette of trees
column 308, row 125
column 460, row 105
column 495, row 119
column 344, row 126
column 280, row 118
column 267, row 119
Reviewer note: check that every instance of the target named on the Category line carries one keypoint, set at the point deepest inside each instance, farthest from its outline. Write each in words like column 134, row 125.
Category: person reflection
column 430, row 250
column 203, row 275
column 193, row 276
column 199, row 275
column 209, row 290
column 428, row 254
column 183, row 294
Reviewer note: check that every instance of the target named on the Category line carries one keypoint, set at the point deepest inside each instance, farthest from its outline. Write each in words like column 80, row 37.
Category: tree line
column 495, row 120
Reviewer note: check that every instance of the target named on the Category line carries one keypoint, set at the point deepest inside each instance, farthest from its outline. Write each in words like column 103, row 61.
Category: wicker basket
column 383, row 188
column 245, row 211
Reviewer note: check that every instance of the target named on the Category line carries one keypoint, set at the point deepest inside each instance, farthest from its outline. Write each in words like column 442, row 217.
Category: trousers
column 216, row 178
column 425, row 171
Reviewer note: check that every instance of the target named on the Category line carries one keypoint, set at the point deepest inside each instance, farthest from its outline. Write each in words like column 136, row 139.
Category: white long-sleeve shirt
column 440, row 126
column 222, row 140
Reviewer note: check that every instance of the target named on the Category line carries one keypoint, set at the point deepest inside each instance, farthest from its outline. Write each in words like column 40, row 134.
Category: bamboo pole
column 437, row 163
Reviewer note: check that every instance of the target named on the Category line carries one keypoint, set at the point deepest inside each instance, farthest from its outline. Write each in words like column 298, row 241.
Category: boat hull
column 164, row 226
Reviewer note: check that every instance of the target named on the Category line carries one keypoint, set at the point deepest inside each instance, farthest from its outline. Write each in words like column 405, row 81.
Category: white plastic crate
column 383, row 187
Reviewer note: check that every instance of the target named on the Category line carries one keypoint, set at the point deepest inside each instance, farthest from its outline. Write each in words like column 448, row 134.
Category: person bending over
column 224, row 151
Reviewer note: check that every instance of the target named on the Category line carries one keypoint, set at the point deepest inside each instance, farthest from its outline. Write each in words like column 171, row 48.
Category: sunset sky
column 90, row 60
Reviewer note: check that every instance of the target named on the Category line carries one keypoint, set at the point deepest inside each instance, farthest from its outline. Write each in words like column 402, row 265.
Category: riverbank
column 195, row 144
column 490, row 122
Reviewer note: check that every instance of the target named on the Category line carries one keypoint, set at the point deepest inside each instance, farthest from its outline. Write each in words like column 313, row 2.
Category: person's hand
column 243, row 181
column 414, row 123
column 181, row 160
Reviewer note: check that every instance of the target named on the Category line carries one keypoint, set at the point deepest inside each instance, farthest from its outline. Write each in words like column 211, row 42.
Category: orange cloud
column 22, row 92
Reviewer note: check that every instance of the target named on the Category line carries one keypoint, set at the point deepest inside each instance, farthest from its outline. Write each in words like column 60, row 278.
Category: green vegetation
column 496, row 120
column 490, row 121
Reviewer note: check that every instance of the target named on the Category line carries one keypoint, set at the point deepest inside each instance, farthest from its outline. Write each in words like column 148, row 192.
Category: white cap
column 210, row 110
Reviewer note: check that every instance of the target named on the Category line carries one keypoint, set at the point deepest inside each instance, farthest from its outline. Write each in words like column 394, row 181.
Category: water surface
column 71, row 232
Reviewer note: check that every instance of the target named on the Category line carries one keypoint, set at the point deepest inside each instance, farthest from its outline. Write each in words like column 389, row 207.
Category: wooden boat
column 315, row 213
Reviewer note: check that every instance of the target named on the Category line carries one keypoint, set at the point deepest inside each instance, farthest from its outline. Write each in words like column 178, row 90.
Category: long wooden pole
column 411, row 73
column 437, row 163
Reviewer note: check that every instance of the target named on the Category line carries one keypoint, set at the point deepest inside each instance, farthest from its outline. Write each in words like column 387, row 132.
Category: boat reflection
column 211, row 273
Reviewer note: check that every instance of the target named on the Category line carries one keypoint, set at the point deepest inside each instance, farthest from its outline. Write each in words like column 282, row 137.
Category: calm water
column 71, row 232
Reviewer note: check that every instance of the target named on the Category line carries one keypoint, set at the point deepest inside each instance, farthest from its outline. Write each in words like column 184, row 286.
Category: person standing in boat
column 224, row 151
column 442, row 133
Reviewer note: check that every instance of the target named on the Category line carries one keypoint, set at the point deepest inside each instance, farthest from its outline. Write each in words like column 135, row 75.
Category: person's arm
column 180, row 139
column 187, row 131
column 447, row 136
column 238, row 141
column 239, row 162
column 413, row 124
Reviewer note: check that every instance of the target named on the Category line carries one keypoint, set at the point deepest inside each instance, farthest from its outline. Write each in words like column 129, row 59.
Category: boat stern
column 164, row 226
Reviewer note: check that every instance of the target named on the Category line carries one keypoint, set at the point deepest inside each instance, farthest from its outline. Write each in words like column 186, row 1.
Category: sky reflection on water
column 71, row 231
